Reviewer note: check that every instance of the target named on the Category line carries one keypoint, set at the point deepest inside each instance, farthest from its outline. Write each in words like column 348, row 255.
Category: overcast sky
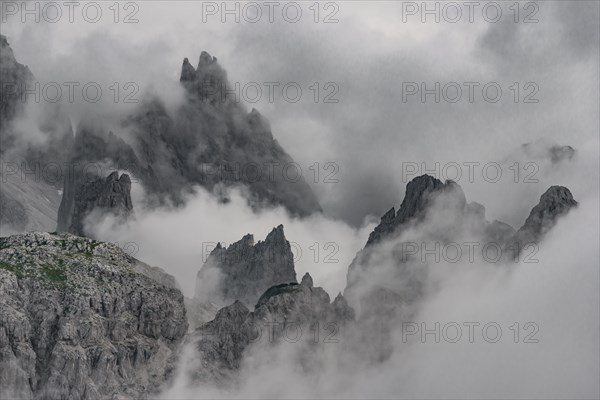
column 372, row 134
column 372, row 49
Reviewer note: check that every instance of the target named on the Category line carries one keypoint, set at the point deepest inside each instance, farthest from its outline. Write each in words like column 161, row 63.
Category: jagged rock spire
column 188, row 73
column 418, row 196
column 111, row 194
column 208, row 82
column 554, row 203
column 307, row 280
column 244, row 270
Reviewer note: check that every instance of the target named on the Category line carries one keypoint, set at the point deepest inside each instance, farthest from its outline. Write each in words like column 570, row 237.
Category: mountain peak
column 307, row 280
column 554, row 203
column 276, row 235
column 206, row 59
column 208, row 81
column 244, row 270
column 188, row 73
column 417, row 198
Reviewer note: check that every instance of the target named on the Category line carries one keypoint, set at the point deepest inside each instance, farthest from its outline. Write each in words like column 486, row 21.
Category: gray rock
column 222, row 343
column 556, row 202
column 419, row 194
column 78, row 321
column 560, row 153
column 12, row 212
column 307, row 280
column 244, row 270
column 26, row 203
column 93, row 151
column 499, row 233
column 14, row 77
column 111, row 195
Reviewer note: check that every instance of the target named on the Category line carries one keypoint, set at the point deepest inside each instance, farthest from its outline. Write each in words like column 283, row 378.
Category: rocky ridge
column 222, row 343
column 244, row 270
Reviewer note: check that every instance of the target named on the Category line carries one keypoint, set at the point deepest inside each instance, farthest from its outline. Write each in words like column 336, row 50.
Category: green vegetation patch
column 46, row 272
column 15, row 269
column 54, row 274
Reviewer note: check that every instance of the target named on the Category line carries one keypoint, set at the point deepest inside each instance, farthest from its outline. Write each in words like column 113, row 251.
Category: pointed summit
column 247, row 240
column 188, row 73
column 307, row 280
column 208, row 82
column 418, row 196
column 244, row 270
column 206, row 59
column 276, row 236
column 554, row 203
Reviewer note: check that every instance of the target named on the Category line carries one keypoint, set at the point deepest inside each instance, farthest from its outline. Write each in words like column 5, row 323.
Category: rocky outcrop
column 419, row 194
column 80, row 320
column 307, row 280
column 280, row 314
column 556, row 202
column 94, row 152
column 244, row 270
column 105, row 196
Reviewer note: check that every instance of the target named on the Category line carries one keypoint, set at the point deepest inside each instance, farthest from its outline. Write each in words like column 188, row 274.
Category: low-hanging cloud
column 547, row 313
column 180, row 239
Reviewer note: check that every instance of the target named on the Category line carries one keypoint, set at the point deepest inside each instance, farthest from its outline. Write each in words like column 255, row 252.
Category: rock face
column 14, row 77
column 32, row 170
column 554, row 203
column 244, row 270
column 12, row 212
column 209, row 141
column 419, row 195
column 222, row 342
column 111, row 195
column 80, row 320
column 307, row 280
column 26, row 203
column 93, row 147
